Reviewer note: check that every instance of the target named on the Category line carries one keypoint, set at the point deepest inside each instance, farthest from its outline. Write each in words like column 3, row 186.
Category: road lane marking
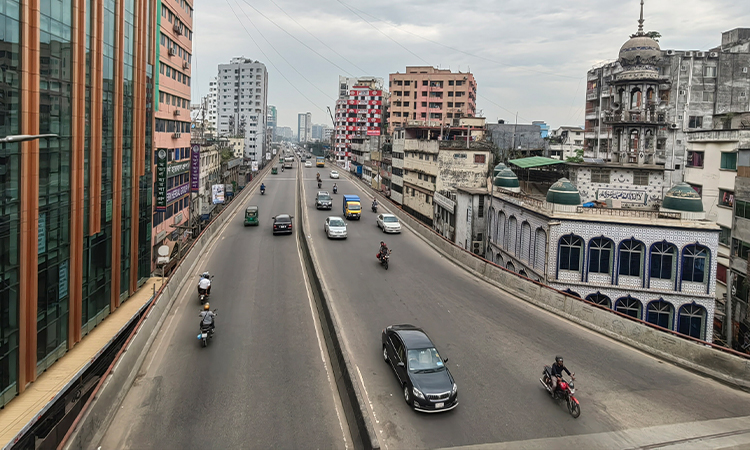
column 317, row 327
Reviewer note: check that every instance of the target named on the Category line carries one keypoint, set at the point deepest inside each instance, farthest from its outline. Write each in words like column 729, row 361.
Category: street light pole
column 25, row 137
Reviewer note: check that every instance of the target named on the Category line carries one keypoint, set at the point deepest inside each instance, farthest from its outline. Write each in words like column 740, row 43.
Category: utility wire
column 351, row 8
column 282, row 56
column 378, row 30
column 503, row 108
column 295, row 38
column 317, row 39
column 269, row 59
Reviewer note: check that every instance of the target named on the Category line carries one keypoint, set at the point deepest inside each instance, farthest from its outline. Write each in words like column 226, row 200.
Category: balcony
column 592, row 114
column 637, row 117
column 592, row 94
column 742, row 136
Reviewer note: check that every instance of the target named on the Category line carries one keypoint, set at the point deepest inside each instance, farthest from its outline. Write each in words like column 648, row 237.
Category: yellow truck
column 352, row 207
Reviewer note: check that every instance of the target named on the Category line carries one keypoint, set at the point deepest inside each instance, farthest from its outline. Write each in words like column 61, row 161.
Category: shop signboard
column 195, row 168
column 179, row 191
column 217, row 194
column 161, row 180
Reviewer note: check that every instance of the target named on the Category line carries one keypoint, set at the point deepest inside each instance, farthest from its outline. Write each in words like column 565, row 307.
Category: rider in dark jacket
column 556, row 372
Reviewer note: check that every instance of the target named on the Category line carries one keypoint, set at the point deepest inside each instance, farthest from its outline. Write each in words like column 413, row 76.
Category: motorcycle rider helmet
column 559, row 359
column 206, row 306
column 205, row 274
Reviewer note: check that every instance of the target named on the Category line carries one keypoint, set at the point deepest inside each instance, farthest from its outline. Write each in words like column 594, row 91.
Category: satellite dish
column 163, row 250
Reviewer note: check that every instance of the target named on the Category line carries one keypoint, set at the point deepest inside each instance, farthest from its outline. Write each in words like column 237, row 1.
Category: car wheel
column 407, row 395
column 383, row 229
column 385, row 354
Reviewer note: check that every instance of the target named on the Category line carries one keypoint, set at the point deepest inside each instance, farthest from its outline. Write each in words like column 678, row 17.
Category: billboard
column 255, row 166
column 217, row 193
column 161, row 180
column 268, row 155
column 195, row 168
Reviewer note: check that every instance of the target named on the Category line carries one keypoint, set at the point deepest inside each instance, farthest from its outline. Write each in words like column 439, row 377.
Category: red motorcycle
column 565, row 391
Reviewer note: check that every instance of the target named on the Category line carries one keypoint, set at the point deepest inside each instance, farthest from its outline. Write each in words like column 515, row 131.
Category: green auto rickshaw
column 251, row 215
column 274, row 170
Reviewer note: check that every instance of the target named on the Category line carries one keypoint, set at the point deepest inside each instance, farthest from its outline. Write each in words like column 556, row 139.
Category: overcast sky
column 527, row 57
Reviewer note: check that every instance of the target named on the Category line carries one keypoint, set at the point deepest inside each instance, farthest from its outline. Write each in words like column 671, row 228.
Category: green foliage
column 655, row 35
column 578, row 158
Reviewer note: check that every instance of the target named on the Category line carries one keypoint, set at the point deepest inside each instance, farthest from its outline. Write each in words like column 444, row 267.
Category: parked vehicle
column 565, row 391
column 426, row 382
column 352, row 207
column 251, row 215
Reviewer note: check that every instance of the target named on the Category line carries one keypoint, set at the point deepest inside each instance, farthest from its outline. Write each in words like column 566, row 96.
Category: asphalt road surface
column 262, row 381
column 497, row 346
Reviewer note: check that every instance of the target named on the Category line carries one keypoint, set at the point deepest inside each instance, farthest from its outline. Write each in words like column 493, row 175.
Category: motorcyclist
column 262, row 187
column 207, row 317
column 556, row 372
column 374, row 204
column 335, row 188
column 205, row 283
column 383, row 250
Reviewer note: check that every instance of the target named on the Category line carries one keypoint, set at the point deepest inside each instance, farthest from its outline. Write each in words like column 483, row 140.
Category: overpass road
column 262, row 382
column 497, row 346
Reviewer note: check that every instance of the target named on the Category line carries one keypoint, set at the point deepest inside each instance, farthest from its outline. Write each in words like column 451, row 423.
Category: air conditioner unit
column 176, row 135
column 176, row 28
column 476, row 247
column 673, row 126
column 700, row 54
column 171, row 51
column 177, row 112
column 688, row 54
column 670, row 52
column 713, row 55
column 185, row 65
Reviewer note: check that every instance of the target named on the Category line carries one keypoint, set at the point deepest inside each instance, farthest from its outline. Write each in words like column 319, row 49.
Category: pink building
column 172, row 124
column 431, row 96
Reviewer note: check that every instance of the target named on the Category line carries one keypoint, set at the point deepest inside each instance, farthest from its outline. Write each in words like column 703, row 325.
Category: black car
column 282, row 224
column 427, row 384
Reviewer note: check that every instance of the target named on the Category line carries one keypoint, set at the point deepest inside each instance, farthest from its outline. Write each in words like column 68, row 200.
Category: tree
column 578, row 158
column 655, row 35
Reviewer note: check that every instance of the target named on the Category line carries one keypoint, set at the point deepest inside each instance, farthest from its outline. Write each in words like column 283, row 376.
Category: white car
column 334, row 174
column 389, row 223
column 335, row 227
column 308, row 164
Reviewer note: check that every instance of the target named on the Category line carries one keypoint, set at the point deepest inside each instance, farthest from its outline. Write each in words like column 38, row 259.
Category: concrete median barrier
column 94, row 421
column 353, row 402
column 708, row 359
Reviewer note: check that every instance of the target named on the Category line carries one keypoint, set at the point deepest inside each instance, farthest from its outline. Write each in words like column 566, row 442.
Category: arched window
column 491, row 227
column 522, row 273
column 633, row 140
column 500, row 230
column 635, row 98
column 540, row 249
column 600, row 299
column 630, row 306
column 512, row 236
column 571, row 253
column 600, row 255
column 660, row 313
column 631, row 258
column 695, row 263
column 663, row 261
column 525, row 241
column 510, row 266
column 692, row 321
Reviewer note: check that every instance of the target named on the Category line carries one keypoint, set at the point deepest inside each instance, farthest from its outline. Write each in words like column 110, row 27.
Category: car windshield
column 324, row 197
column 336, row 223
column 354, row 208
column 390, row 219
column 425, row 360
column 283, row 219
column 334, row 172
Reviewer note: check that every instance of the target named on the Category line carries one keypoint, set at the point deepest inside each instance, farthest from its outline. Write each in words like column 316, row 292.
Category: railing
column 640, row 213
column 714, row 135
column 635, row 117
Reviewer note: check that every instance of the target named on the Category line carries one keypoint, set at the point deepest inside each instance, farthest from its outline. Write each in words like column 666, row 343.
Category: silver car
column 389, row 223
column 335, row 228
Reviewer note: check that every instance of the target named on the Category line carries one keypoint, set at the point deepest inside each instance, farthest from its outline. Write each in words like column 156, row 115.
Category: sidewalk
column 42, row 393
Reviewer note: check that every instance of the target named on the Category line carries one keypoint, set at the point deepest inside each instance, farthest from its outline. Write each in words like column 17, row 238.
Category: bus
column 320, row 161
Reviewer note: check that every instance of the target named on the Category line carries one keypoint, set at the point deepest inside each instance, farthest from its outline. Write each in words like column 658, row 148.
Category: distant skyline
column 527, row 58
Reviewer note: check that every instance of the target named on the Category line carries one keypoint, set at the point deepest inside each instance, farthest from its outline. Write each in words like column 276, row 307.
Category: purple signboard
column 195, row 168
column 179, row 191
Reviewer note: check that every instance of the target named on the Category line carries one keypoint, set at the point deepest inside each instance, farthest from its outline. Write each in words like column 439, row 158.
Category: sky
column 529, row 58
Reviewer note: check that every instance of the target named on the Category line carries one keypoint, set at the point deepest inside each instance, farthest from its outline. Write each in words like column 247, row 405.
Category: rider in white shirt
column 205, row 283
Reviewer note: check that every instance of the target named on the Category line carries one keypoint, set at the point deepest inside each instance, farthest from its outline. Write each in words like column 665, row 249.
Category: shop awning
column 534, row 161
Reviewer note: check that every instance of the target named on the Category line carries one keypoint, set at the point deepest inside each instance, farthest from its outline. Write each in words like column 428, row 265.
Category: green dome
column 682, row 197
column 563, row 193
column 506, row 179
column 498, row 168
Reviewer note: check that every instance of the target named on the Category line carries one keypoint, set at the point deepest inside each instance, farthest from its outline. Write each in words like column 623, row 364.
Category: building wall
column 397, row 169
column 515, row 140
column 470, row 219
column 462, row 168
column 304, row 127
column 359, row 116
column 433, row 95
column 621, row 186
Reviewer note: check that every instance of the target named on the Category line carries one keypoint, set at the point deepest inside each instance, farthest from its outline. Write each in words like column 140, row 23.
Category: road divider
column 93, row 421
column 717, row 362
column 353, row 402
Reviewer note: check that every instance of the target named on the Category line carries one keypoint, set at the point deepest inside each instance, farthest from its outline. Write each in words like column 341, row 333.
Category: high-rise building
column 242, row 95
column 172, row 129
column 359, row 113
column 304, row 127
column 272, row 120
column 75, row 214
column 431, row 97
column 211, row 112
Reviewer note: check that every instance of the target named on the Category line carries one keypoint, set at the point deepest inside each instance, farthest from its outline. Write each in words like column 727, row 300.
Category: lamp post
column 25, row 137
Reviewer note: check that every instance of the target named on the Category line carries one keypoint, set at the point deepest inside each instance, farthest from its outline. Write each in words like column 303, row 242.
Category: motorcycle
column 203, row 293
column 335, row 189
column 374, row 208
column 263, row 191
column 319, row 184
column 384, row 259
column 206, row 332
column 565, row 391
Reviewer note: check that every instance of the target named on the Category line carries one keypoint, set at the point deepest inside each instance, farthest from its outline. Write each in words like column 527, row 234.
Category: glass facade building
column 76, row 210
